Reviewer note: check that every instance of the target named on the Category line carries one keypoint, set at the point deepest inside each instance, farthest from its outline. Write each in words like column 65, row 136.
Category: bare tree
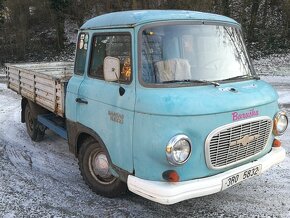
column 253, row 19
column 226, row 7
column 58, row 8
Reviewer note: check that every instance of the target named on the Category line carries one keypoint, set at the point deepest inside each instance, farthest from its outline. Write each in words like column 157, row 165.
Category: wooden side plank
column 42, row 83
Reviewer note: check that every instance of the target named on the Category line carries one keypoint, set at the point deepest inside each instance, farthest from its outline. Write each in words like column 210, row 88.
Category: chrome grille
column 233, row 143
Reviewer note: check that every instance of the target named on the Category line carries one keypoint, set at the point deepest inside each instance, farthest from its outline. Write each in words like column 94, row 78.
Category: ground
column 43, row 180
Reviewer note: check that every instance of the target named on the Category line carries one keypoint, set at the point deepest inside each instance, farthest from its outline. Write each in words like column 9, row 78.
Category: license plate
column 239, row 177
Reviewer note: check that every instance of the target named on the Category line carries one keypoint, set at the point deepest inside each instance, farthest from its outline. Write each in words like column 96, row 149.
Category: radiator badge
column 245, row 140
column 240, row 116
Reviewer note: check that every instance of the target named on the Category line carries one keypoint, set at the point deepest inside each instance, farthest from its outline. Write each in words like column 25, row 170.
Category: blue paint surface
column 48, row 120
column 152, row 116
column 202, row 100
column 195, row 112
column 133, row 18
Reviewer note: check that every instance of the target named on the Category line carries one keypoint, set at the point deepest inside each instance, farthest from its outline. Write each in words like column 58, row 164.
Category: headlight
column 178, row 150
column 280, row 123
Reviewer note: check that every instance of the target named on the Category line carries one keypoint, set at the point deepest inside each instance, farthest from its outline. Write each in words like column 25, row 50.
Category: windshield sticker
column 86, row 38
column 81, row 44
column 240, row 116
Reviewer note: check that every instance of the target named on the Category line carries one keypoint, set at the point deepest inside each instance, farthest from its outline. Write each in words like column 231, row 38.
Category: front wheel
column 34, row 129
column 95, row 169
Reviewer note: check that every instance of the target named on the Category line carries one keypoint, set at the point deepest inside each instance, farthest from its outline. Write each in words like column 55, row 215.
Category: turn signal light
column 170, row 176
column 276, row 143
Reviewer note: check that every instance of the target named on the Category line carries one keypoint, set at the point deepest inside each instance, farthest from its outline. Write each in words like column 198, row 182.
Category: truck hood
column 202, row 100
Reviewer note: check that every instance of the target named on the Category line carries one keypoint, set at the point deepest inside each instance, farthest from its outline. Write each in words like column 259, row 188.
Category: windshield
column 185, row 53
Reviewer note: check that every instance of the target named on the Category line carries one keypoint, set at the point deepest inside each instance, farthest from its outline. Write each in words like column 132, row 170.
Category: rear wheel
column 95, row 168
column 35, row 130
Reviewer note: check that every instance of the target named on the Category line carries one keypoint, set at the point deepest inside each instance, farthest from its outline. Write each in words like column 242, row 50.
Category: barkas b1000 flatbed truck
column 164, row 103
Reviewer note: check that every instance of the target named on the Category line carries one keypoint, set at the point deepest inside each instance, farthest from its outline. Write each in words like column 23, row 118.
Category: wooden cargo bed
column 42, row 83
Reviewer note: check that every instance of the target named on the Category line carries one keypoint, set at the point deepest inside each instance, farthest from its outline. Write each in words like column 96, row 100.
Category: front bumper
column 170, row 193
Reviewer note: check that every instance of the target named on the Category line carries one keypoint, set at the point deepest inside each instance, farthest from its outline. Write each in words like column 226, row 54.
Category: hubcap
column 100, row 167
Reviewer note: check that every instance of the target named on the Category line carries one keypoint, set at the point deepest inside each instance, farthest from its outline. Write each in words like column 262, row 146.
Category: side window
column 81, row 53
column 114, row 45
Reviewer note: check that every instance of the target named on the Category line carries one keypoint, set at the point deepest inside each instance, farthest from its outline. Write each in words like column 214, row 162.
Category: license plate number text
column 239, row 177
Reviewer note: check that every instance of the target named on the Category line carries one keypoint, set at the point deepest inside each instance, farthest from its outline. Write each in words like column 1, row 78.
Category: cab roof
column 138, row 17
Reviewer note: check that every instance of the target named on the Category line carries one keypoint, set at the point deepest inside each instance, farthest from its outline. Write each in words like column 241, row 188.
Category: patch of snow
column 277, row 79
column 2, row 75
column 9, row 215
column 273, row 65
column 282, row 85
column 71, row 30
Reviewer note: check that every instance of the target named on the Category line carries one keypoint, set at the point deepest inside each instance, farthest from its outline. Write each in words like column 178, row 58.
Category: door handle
column 82, row 101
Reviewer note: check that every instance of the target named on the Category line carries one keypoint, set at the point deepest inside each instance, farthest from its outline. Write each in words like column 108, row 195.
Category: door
column 77, row 78
column 108, row 107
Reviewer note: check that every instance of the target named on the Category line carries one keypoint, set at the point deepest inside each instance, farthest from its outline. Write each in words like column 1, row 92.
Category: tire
column 99, row 179
column 35, row 130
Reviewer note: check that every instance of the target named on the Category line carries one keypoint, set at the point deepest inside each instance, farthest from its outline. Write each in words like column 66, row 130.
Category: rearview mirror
column 111, row 69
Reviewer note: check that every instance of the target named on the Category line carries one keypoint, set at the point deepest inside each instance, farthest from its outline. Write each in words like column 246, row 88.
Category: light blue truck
column 164, row 103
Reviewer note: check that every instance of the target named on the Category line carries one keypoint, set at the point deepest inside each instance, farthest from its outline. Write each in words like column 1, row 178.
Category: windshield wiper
column 242, row 77
column 193, row 81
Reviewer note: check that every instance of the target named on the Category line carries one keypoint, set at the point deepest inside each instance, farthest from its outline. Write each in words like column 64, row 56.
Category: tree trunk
column 253, row 20
column 60, row 31
column 265, row 13
column 286, row 16
column 226, row 7
column 134, row 4
column 21, row 23
column 145, row 4
column 58, row 23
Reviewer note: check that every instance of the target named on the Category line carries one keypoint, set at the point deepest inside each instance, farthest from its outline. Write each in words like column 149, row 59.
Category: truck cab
column 168, row 105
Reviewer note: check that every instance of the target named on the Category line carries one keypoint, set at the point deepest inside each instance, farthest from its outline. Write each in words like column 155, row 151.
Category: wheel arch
column 83, row 136
column 78, row 133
